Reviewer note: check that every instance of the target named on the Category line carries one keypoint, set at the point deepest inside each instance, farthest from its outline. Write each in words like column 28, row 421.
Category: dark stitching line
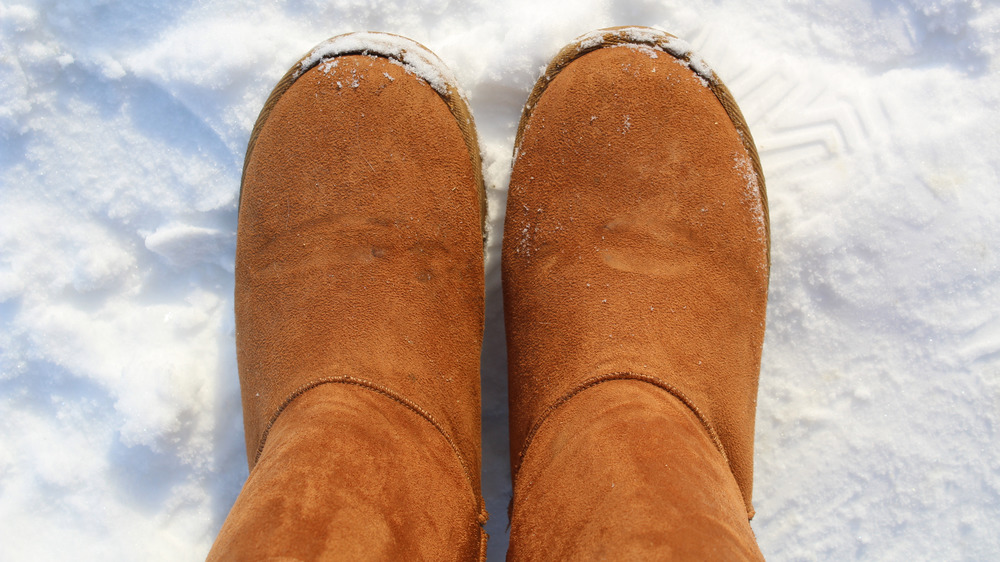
column 592, row 382
column 347, row 379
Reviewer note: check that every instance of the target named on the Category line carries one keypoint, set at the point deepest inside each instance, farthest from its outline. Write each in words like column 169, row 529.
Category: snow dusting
column 123, row 126
column 400, row 50
column 649, row 42
column 686, row 56
column 751, row 198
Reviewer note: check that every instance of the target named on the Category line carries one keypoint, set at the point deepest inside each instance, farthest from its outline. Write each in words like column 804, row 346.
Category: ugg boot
column 359, row 313
column 635, row 273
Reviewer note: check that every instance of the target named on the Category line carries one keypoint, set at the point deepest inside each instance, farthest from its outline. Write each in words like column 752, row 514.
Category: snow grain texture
column 123, row 127
column 410, row 55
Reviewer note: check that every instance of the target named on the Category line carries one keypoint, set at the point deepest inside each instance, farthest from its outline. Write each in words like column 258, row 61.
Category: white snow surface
column 123, row 125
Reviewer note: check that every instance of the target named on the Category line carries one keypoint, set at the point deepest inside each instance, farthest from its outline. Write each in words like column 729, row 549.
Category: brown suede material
column 360, row 249
column 636, row 243
column 591, row 491
column 359, row 265
column 319, row 490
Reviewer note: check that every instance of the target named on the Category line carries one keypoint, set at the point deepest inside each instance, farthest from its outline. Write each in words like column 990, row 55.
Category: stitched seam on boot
column 482, row 516
column 620, row 36
column 592, row 382
column 484, row 539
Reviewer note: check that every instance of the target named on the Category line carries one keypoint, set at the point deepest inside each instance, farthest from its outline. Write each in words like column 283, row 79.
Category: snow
column 400, row 50
column 751, row 198
column 648, row 43
column 122, row 131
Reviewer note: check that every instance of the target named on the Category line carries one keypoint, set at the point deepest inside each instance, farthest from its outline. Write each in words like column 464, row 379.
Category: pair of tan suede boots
column 635, row 270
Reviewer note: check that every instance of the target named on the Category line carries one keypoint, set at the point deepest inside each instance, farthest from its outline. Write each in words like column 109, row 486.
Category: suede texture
column 668, row 496
column 359, row 265
column 635, row 248
column 331, row 461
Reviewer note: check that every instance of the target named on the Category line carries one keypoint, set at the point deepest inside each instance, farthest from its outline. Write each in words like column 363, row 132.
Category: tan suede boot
column 359, row 313
column 635, row 272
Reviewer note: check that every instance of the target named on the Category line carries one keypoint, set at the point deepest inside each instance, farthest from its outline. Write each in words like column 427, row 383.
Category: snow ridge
column 409, row 54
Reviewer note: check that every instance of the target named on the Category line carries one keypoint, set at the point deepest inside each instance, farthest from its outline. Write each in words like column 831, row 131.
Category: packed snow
column 123, row 125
